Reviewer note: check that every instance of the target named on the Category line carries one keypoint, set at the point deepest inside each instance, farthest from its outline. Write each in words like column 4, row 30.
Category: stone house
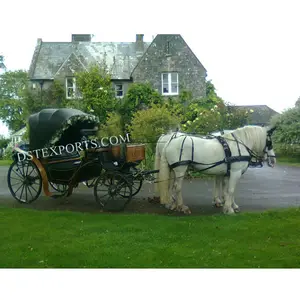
column 167, row 63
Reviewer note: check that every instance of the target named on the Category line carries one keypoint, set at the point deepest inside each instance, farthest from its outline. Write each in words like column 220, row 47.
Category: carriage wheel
column 109, row 186
column 61, row 188
column 24, row 181
column 136, row 184
column 89, row 183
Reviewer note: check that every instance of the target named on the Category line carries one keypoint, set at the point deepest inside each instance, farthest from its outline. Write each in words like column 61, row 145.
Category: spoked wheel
column 90, row 183
column 61, row 188
column 136, row 184
column 110, row 188
column 24, row 181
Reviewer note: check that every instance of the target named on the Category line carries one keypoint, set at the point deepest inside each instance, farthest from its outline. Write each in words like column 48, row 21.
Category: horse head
column 270, row 156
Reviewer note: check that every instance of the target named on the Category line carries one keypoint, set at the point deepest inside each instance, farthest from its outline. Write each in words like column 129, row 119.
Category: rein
column 228, row 157
column 258, row 158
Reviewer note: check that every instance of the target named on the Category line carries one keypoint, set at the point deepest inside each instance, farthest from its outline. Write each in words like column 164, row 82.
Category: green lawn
column 289, row 161
column 32, row 239
column 5, row 162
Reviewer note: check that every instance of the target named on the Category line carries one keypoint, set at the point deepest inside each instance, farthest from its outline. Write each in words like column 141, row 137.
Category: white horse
column 219, row 181
column 208, row 156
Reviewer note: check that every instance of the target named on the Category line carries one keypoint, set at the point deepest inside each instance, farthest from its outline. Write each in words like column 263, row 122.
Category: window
column 169, row 83
column 71, row 91
column 119, row 90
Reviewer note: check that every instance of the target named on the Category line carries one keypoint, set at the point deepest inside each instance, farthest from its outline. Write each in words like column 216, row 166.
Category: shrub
column 148, row 125
column 113, row 127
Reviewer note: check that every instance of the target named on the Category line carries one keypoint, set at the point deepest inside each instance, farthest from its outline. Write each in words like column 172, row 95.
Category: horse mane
column 253, row 137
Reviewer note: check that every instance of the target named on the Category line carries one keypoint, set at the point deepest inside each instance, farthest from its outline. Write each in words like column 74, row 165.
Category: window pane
column 119, row 87
column 119, row 93
column 174, row 77
column 174, row 88
column 69, row 82
column 165, row 78
column 165, row 88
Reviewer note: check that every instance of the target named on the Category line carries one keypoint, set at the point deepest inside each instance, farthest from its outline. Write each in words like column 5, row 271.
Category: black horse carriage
column 51, row 160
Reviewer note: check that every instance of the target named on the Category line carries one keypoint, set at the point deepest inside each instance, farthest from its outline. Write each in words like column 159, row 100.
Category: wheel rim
column 110, row 187
column 59, row 187
column 24, row 181
column 136, row 184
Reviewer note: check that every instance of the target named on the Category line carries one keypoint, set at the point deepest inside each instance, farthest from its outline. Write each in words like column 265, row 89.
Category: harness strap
column 182, row 148
column 229, row 159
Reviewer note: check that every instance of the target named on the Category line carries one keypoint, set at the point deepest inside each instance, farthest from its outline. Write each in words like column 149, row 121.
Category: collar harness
column 229, row 159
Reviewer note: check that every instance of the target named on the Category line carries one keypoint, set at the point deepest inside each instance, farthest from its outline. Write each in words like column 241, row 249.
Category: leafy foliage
column 97, row 93
column 3, row 142
column 12, row 86
column 139, row 96
column 205, row 121
column 288, row 126
column 12, row 113
column 12, row 83
column 148, row 125
column 113, row 126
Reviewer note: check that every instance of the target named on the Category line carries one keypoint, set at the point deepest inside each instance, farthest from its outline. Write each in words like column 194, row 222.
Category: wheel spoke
column 22, row 191
column 19, row 187
column 23, row 188
column 18, row 174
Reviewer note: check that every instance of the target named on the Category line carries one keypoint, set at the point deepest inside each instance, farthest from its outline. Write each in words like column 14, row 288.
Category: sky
column 250, row 49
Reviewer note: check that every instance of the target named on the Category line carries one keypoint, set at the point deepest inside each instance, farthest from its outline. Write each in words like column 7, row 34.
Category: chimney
column 81, row 37
column 139, row 38
column 139, row 44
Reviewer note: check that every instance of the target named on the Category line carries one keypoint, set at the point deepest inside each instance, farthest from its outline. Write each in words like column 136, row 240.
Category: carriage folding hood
column 53, row 127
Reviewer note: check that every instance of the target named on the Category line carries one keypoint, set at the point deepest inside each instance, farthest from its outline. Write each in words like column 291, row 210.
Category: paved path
column 259, row 189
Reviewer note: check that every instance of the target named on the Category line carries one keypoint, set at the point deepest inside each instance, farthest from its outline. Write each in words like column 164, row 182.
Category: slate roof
column 121, row 57
column 261, row 113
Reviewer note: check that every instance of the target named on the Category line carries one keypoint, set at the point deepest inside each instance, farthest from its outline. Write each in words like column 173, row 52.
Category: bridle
column 259, row 159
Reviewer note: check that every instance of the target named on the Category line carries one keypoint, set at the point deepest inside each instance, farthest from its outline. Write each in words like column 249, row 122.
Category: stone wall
column 170, row 53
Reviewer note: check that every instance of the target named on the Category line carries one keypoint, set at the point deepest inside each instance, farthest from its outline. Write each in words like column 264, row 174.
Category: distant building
column 261, row 114
column 167, row 63
column 17, row 137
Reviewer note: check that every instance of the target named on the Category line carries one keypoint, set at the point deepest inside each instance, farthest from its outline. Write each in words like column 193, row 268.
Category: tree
column 3, row 142
column 139, row 96
column 147, row 125
column 97, row 93
column 211, row 99
column 12, row 86
column 288, row 126
column 12, row 83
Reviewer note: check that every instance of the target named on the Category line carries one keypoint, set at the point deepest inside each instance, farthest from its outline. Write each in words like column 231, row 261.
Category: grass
column 289, row 161
column 43, row 239
column 5, row 162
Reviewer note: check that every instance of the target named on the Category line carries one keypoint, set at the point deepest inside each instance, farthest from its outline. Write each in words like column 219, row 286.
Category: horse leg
column 172, row 205
column 217, row 202
column 229, row 192
column 180, row 172
column 234, row 205
column 224, row 184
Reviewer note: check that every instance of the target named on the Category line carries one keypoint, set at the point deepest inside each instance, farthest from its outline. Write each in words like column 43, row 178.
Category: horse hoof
column 218, row 205
column 186, row 210
column 236, row 210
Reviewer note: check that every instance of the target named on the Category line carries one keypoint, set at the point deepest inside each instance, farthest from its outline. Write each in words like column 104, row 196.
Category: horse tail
column 156, row 167
column 163, row 178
